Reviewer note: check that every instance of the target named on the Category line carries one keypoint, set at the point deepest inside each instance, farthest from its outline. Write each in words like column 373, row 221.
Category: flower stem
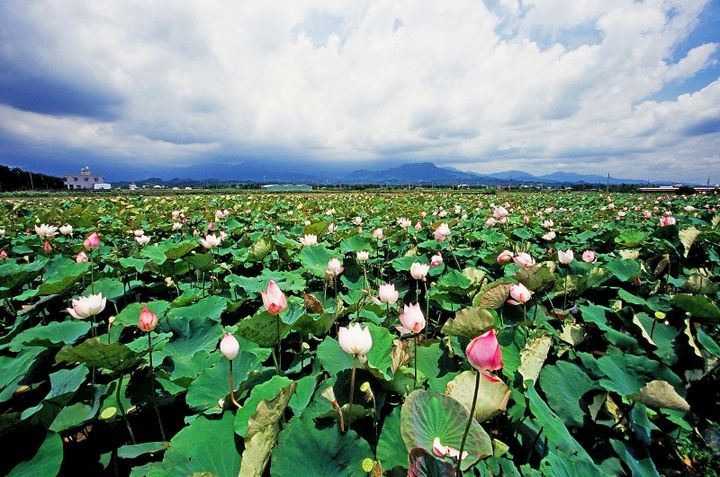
column 352, row 392
column 152, row 388
column 416, row 360
column 278, row 363
column 232, row 388
column 567, row 275
column 122, row 409
column 467, row 428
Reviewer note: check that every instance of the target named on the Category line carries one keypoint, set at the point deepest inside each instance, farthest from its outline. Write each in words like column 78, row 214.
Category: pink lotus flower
column 147, row 321
column 519, row 293
column 419, row 271
column 334, row 268
column 81, row 257
column 549, row 236
column 442, row 232
column 47, row 247
column 505, row 256
column 418, row 226
column 355, row 340
column 500, row 213
column 87, row 306
column 274, row 299
column 647, row 214
column 378, row 233
column 667, row 220
column 92, row 242
column 229, row 346
column 484, row 354
column 491, row 222
column 588, row 256
column 436, row 260
column 565, row 257
column 3, row 255
column 524, row 260
column 412, row 319
column 388, row 293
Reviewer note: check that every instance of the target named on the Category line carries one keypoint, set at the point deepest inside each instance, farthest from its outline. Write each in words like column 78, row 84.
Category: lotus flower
column 3, row 255
column 419, row 270
column 143, row 239
column 500, row 213
column 210, row 241
column 505, row 256
column 363, row 255
column 139, row 232
column 334, row 268
column 92, row 242
column 412, row 319
column 176, row 226
column 45, row 231
column 274, row 299
column 309, row 240
column 484, row 354
column 66, row 230
column 81, row 257
column 436, row 260
column 47, row 247
column 404, row 223
column 549, row 236
column 378, row 233
column 355, row 340
column 2, row 231
column 565, row 257
column 388, row 293
column 441, row 232
column 147, row 321
column 588, row 256
column 491, row 222
column 87, row 306
column 667, row 220
column 524, row 260
column 519, row 293
column 229, row 346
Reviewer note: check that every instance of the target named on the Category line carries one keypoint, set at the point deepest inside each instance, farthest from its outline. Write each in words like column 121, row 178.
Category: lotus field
column 352, row 334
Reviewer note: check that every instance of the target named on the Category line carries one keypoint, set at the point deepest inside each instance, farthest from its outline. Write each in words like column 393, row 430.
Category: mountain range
column 423, row 173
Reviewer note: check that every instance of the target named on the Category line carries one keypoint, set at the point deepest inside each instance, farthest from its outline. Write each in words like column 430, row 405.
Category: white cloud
column 553, row 81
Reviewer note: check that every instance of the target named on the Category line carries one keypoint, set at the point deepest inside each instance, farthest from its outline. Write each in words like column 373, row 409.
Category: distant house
column 285, row 187
column 84, row 180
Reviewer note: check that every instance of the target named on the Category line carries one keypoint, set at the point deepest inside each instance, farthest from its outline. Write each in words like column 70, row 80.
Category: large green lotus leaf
column 559, row 464
column 639, row 466
column 111, row 288
column 263, row 428
column 14, row 370
column 66, row 381
column 287, row 281
column 98, row 354
column 303, row 393
column 130, row 314
column 626, row 374
column 708, row 343
column 455, row 282
column 315, row 259
column 318, row 452
column 389, row 453
column 205, row 446
column 552, row 428
column 80, row 412
column 191, row 336
column 697, row 305
column 623, row 269
column 469, row 323
column 426, row 416
column 175, row 250
column 492, row 397
column 212, row 384
column 262, row 392
column 200, row 261
column 332, row 357
column 14, row 273
column 131, row 451
column 61, row 278
column 355, row 243
column 564, row 384
column 630, row 238
column 424, row 464
column 262, row 328
column 379, row 357
column 209, row 308
column 57, row 332
column 317, row 228
column 47, row 459
column 154, row 253
column 138, row 264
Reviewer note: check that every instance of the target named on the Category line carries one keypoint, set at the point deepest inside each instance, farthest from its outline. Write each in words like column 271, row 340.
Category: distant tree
column 13, row 179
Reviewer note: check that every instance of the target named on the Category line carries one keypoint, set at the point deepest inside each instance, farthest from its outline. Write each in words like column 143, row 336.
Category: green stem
column 279, row 346
column 416, row 360
column 152, row 388
column 232, row 388
column 352, row 391
column 122, row 409
column 567, row 275
column 467, row 428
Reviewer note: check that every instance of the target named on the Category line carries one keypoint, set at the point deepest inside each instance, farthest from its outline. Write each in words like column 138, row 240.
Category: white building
column 84, row 180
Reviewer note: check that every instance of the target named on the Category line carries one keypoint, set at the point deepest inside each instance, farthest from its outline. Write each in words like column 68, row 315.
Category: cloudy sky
column 620, row 86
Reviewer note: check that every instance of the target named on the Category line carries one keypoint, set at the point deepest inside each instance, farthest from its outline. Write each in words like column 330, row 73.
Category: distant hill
column 417, row 173
column 14, row 179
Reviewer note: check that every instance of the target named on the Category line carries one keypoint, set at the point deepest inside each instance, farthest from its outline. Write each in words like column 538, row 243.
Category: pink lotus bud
column 274, row 299
column 505, row 256
column 419, row 271
column 418, row 226
column 412, row 319
column 334, row 267
column 519, row 293
column 491, row 222
column 566, row 256
column 81, row 257
column 378, row 233
column 3, row 255
column 92, row 242
column 229, row 346
column 524, row 260
column 388, row 293
column 484, row 354
column 47, row 247
column 147, row 321
column 436, row 260
column 588, row 256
